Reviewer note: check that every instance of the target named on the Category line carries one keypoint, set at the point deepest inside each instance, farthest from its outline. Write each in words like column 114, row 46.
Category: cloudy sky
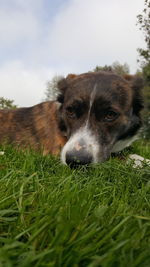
column 43, row 38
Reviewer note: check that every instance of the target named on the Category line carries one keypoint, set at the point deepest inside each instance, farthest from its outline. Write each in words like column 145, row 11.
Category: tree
column 120, row 69
column 52, row 89
column 7, row 103
column 144, row 60
column 105, row 68
column 144, row 54
column 116, row 67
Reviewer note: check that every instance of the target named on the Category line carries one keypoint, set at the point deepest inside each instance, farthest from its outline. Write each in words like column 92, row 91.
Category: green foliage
column 144, row 25
column 6, row 103
column 144, row 59
column 146, row 112
column 120, row 69
column 146, row 125
column 146, row 74
column 51, row 215
column 52, row 89
column 116, row 67
column 105, row 68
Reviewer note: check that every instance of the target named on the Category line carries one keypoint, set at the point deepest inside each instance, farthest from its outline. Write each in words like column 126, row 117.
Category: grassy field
column 51, row 215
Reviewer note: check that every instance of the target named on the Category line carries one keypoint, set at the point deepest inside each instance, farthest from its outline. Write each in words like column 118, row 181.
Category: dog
column 95, row 114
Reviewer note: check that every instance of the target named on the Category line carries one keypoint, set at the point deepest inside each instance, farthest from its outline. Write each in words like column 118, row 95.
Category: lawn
column 51, row 215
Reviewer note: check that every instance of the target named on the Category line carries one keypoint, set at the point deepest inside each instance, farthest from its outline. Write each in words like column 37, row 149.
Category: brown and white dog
column 95, row 115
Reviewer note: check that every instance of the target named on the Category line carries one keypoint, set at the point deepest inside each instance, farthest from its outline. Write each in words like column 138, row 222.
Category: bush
column 6, row 103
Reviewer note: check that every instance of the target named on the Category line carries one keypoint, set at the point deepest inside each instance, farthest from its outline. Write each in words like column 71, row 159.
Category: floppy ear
column 71, row 76
column 63, row 85
column 136, row 83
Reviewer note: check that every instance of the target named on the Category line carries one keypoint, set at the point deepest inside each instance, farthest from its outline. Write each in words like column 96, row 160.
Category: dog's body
column 98, row 113
column 35, row 126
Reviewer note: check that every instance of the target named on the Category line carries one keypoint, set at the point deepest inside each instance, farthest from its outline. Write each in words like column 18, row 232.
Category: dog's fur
column 95, row 114
column 35, row 126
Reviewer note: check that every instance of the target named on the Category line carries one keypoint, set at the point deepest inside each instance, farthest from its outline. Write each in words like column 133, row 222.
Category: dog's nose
column 76, row 158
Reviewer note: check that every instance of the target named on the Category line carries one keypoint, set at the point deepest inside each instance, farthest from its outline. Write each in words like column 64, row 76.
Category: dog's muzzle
column 81, row 149
column 79, row 155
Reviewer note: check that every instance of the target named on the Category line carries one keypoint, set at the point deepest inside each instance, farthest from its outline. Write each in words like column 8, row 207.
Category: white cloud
column 91, row 32
column 17, row 25
column 24, row 85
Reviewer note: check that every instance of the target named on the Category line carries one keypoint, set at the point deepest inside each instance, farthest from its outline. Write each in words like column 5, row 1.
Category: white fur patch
column 58, row 104
column 92, row 96
column 89, row 139
column 121, row 144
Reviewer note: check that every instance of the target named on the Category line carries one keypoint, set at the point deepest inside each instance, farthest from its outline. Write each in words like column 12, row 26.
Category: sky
column 43, row 38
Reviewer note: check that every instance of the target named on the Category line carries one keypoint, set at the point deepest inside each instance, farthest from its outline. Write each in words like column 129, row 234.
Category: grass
column 51, row 215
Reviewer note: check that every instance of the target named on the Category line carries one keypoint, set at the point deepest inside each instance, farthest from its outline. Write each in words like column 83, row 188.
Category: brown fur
column 36, row 127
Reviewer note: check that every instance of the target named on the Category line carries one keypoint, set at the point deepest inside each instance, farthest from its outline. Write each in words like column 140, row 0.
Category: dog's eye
column 70, row 113
column 111, row 116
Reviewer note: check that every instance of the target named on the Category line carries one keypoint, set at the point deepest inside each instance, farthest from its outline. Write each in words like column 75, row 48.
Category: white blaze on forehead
column 92, row 97
column 90, row 144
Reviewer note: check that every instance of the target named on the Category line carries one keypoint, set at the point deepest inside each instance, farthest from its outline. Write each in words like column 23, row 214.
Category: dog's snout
column 75, row 158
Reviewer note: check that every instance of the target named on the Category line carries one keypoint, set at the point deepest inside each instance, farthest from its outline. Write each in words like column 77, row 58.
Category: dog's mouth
column 75, row 159
column 79, row 155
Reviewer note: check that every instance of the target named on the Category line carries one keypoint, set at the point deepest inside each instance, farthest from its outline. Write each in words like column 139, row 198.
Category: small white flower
column 138, row 161
column 2, row 153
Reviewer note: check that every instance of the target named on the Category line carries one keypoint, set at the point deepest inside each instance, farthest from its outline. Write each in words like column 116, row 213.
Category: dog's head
column 99, row 114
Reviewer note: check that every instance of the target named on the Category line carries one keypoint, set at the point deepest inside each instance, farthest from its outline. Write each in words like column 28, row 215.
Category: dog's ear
column 63, row 85
column 128, row 77
column 71, row 76
column 136, row 83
